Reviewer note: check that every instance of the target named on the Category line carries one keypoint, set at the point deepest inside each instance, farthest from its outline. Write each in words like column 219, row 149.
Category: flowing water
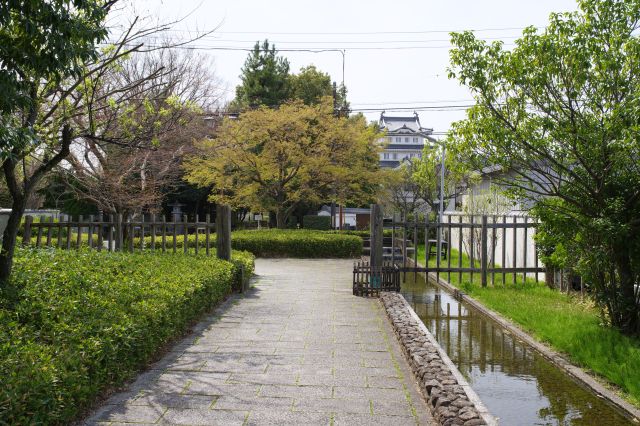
column 515, row 383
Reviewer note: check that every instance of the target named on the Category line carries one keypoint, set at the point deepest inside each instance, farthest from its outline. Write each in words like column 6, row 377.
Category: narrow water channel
column 515, row 383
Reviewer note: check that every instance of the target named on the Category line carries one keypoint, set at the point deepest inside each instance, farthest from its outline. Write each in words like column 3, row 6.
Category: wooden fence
column 370, row 280
column 115, row 233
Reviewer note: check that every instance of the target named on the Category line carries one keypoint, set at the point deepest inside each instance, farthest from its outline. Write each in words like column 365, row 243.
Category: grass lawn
column 568, row 323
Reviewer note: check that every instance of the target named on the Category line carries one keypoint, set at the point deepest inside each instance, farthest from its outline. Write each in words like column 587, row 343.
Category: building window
column 386, row 155
column 415, row 140
column 406, row 139
column 395, row 156
column 419, row 155
column 398, row 139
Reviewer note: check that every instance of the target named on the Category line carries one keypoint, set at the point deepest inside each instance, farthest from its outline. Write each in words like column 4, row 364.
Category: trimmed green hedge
column 81, row 322
column 296, row 243
column 361, row 234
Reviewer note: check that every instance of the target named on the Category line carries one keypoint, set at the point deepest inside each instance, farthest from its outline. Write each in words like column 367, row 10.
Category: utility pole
column 441, row 209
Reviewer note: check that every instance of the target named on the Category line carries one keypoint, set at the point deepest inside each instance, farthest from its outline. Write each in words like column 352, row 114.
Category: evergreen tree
column 340, row 103
column 265, row 79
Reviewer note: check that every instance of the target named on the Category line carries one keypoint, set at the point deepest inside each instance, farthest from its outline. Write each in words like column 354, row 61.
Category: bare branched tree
column 76, row 107
column 175, row 90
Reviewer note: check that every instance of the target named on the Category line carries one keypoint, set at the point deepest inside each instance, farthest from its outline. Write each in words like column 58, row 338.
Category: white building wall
column 524, row 243
column 347, row 218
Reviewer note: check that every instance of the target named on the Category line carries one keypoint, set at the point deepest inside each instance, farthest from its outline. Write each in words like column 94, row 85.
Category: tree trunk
column 272, row 219
column 629, row 315
column 9, row 239
column 281, row 219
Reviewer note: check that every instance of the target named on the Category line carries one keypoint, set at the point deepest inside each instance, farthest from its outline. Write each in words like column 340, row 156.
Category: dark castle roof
column 404, row 125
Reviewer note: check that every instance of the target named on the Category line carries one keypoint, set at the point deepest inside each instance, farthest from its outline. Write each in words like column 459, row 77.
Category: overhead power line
column 416, row 108
column 213, row 38
column 359, row 32
column 441, row 101
column 308, row 50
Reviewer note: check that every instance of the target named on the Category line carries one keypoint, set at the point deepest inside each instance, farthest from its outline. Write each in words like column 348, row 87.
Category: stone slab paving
column 298, row 349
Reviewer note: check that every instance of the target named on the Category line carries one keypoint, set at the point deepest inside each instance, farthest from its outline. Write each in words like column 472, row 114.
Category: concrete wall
column 4, row 216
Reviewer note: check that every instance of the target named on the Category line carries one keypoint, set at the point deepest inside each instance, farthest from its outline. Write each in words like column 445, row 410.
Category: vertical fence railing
column 490, row 248
column 132, row 234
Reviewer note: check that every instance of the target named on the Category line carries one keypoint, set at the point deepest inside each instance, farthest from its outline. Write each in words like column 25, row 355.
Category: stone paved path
column 299, row 349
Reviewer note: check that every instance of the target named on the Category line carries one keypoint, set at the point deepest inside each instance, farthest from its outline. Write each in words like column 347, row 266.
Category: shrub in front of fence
column 297, row 243
column 82, row 322
column 360, row 233
column 244, row 263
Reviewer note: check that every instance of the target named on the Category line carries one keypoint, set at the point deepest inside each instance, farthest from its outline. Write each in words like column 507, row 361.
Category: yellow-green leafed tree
column 273, row 159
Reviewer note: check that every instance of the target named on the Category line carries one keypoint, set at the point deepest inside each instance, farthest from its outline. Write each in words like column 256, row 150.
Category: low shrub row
column 360, row 233
column 79, row 322
column 297, row 243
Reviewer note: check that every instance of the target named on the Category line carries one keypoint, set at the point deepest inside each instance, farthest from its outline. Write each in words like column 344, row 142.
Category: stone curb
column 554, row 357
column 449, row 396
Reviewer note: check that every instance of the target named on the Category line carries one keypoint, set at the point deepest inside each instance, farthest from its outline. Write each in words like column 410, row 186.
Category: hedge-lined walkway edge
column 297, row 349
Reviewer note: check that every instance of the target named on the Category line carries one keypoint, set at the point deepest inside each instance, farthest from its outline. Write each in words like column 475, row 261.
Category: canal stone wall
column 451, row 399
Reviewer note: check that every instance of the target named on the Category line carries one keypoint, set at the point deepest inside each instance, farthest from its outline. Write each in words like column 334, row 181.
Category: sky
column 395, row 52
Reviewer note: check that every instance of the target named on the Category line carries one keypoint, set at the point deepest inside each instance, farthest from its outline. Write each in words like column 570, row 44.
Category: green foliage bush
column 322, row 223
column 296, row 243
column 79, row 322
column 361, row 233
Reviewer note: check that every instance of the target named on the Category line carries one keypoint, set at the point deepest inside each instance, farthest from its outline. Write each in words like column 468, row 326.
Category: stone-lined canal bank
column 298, row 349
column 451, row 399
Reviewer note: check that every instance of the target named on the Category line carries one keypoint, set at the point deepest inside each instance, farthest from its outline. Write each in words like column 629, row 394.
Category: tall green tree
column 45, row 39
column 265, row 79
column 275, row 159
column 561, row 111
column 43, row 43
column 426, row 175
column 310, row 85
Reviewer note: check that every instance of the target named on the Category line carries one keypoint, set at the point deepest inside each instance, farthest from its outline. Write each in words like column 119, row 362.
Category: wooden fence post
column 485, row 255
column 208, row 233
column 119, row 233
column 79, row 233
column 26, row 237
column 185, row 234
column 223, row 231
column 377, row 237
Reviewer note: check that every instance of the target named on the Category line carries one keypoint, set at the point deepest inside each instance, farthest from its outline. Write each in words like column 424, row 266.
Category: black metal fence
column 488, row 245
